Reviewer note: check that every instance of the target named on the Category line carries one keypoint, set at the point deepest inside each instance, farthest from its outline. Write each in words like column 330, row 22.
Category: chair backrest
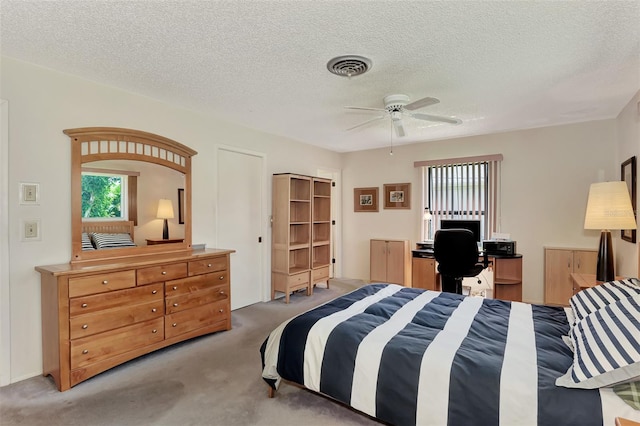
column 456, row 251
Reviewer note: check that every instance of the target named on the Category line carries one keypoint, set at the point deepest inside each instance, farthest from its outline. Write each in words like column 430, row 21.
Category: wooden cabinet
column 559, row 264
column 424, row 273
column 390, row 261
column 321, row 231
column 97, row 316
column 507, row 278
column 301, row 233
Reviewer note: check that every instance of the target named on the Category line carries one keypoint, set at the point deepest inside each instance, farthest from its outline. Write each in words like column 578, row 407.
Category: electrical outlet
column 31, row 230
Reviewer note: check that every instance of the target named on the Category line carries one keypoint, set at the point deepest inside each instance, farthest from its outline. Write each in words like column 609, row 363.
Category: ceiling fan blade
column 367, row 109
column 366, row 122
column 397, row 124
column 437, row 118
column 421, row 103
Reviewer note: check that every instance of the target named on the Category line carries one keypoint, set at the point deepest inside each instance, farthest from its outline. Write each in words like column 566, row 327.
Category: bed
column 409, row 356
column 98, row 235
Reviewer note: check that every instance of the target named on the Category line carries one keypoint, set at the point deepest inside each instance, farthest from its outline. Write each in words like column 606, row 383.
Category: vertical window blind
column 462, row 188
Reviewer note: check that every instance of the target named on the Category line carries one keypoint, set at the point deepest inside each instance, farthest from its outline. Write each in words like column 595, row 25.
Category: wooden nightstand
column 154, row 241
column 583, row 281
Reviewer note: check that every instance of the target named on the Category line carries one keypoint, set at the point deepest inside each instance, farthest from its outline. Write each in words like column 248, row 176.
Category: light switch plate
column 30, row 230
column 29, row 193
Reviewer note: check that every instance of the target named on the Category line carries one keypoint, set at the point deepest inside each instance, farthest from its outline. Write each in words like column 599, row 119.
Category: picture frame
column 365, row 199
column 397, row 195
column 181, row 206
column 628, row 175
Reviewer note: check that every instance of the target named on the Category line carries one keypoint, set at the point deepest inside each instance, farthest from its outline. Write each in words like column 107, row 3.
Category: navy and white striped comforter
column 409, row 356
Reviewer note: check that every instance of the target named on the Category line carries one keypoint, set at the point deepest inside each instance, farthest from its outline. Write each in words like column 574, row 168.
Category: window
column 109, row 195
column 462, row 188
column 104, row 196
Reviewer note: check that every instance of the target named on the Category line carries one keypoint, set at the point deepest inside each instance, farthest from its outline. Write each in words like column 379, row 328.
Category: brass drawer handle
column 154, row 310
column 154, row 331
column 105, row 282
column 86, row 351
column 209, row 265
column 221, row 311
column 175, row 287
column 175, row 324
column 164, row 272
column 221, row 291
column 84, row 305
column 175, row 305
column 154, row 291
column 85, row 326
column 221, row 277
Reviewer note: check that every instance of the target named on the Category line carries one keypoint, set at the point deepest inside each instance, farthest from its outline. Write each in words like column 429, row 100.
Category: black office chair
column 456, row 252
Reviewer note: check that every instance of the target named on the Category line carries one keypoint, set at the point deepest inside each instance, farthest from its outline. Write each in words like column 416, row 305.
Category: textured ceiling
column 497, row 66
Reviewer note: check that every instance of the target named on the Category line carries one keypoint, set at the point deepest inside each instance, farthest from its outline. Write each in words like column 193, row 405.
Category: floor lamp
column 427, row 227
column 608, row 207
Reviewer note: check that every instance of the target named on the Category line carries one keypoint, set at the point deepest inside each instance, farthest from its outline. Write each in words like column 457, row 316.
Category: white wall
column 546, row 175
column 628, row 138
column 41, row 104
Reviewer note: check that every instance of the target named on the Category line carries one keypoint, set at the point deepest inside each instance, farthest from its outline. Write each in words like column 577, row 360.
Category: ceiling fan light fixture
column 349, row 65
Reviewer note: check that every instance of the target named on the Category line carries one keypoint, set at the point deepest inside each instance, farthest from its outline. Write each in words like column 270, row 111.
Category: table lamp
column 608, row 207
column 165, row 211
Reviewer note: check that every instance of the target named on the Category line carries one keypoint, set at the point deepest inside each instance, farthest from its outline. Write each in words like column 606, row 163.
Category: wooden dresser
column 99, row 315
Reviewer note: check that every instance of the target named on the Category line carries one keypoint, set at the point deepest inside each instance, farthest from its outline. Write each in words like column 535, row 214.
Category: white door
column 335, row 270
column 239, row 226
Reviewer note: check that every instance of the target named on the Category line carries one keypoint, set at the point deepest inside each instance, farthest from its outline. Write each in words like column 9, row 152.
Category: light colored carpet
column 210, row 380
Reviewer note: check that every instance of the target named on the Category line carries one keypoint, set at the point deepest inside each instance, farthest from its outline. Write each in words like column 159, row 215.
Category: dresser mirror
column 152, row 168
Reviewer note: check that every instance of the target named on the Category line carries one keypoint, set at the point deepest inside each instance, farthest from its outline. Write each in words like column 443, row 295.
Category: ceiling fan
column 398, row 106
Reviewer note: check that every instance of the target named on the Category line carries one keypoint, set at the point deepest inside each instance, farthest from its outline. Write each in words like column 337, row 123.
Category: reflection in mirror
column 130, row 190
column 118, row 177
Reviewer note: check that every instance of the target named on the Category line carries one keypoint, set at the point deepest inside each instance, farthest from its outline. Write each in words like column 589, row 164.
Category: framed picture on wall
column 628, row 175
column 365, row 199
column 397, row 195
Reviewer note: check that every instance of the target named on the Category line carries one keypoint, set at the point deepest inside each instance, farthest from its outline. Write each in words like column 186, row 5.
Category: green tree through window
column 102, row 196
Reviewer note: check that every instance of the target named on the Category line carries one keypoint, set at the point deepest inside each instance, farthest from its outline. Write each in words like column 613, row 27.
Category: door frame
column 5, row 286
column 336, row 202
column 266, row 243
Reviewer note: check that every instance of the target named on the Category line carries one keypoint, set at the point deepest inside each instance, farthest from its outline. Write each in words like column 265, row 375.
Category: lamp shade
column 165, row 209
column 609, row 207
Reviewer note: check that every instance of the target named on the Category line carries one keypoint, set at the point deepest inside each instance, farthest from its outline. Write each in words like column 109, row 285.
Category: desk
column 507, row 274
column 584, row 281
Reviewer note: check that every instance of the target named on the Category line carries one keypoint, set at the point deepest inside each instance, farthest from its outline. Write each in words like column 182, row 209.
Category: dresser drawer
column 160, row 273
column 195, row 283
column 320, row 274
column 98, row 302
column 101, row 283
column 298, row 281
column 86, row 325
column 204, row 266
column 198, row 298
column 192, row 319
column 88, row 350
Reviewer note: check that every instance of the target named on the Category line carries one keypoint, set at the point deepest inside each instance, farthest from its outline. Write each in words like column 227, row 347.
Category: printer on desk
column 499, row 248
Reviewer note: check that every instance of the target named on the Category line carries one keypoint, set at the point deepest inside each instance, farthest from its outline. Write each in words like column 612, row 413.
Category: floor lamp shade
column 608, row 207
column 165, row 211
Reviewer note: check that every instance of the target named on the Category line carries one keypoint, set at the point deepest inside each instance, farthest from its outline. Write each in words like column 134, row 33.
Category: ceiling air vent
column 349, row 65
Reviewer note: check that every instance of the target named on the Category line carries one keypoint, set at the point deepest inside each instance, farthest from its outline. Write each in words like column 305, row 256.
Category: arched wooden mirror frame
column 111, row 143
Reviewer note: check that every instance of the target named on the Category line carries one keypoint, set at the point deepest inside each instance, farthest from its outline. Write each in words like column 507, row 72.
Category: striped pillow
column 86, row 242
column 591, row 299
column 606, row 347
column 103, row 241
